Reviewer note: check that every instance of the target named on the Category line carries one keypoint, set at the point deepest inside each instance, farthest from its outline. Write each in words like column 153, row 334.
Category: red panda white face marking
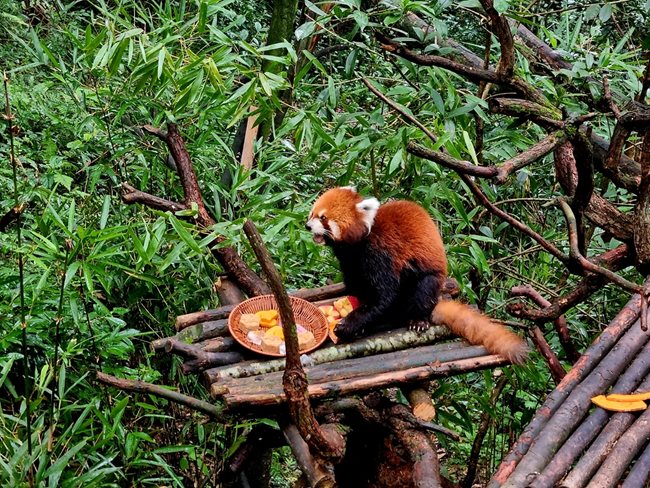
column 341, row 215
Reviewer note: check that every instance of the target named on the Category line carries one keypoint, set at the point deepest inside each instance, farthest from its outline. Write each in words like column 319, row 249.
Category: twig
column 554, row 365
column 132, row 195
column 607, row 95
column 294, row 380
column 533, row 153
column 560, row 322
column 21, row 275
column 409, row 117
column 450, row 162
column 151, row 389
column 54, row 391
column 483, row 200
column 499, row 26
column 584, row 262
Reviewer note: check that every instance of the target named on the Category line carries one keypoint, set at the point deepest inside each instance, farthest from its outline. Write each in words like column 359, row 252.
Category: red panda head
column 341, row 215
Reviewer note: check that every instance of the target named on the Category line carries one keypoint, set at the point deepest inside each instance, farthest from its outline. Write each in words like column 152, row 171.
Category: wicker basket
column 305, row 313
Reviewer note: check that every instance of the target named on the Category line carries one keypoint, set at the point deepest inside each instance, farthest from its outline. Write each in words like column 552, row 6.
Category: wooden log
column 151, row 389
column 183, row 349
column 625, row 450
column 421, row 404
column 581, row 369
column 315, row 474
column 576, row 405
column 639, row 475
column 209, row 360
column 591, row 460
column 218, row 344
column 587, row 431
column 422, row 452
column 394, row 340
column 324, row 293
column 309, row 294
column 195, row 333
column 228, row 292
column 359, row 367
column 356, row 385
column 324, row 443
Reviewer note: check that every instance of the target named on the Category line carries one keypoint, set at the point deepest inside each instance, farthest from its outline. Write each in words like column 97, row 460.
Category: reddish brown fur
column 338, row 205
column 479, row 329
column 407, row 231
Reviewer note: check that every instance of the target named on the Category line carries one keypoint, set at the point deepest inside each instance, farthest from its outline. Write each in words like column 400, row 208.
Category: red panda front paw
column 346, row 331
column 419, row 325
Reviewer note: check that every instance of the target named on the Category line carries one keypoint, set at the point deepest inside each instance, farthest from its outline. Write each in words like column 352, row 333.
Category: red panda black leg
column 421, row 302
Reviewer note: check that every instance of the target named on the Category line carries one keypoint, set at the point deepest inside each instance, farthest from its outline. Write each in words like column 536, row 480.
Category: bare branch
column 409, row 117
column 450, row 162
column 584, row 262
column 560, row 322
column 151, row 389
column 533, row 153
column 132, row 195
column 499, row 26
column 483, row 200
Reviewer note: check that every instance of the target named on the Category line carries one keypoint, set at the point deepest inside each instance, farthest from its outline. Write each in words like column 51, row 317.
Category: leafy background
column 84, row 76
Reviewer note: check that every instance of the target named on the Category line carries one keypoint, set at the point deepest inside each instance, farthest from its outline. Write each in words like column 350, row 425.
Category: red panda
column 393, row 259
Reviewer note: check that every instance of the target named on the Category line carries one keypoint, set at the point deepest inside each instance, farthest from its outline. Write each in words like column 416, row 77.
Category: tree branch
column 132, row 195
column 483, row 200
column 328, row 444
column 584, row 262
column 151, row 389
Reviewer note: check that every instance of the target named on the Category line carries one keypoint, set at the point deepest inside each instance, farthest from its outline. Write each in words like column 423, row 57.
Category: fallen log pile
column 571, row 444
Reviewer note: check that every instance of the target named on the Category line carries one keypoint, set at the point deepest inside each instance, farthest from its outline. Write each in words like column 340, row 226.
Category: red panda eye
column 322, row 218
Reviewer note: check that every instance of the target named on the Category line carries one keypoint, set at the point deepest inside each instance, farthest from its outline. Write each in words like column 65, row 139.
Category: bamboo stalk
column 581, row 369
column 394, row 340
column 575, row 445
column 356, row 385
column 576, row 405
column 27, row 384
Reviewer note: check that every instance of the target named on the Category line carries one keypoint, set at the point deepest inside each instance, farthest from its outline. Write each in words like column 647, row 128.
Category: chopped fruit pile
column 338, row 310
column 622, row 402
column 263, row 330
column 268, row 318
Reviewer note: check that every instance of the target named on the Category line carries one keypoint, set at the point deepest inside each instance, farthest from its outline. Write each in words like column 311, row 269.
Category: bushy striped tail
column 478, row 329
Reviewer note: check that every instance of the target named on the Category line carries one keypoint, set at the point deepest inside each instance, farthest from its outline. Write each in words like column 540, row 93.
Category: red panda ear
column 368, row 210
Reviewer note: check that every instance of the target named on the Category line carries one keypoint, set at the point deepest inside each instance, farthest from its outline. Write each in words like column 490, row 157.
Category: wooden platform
column 385, row 359
column 572, row 444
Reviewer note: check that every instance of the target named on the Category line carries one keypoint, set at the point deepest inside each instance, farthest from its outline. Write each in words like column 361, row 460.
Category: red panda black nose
column 308, row 226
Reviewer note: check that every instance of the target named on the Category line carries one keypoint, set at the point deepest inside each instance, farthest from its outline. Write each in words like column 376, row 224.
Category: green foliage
column 84, row 76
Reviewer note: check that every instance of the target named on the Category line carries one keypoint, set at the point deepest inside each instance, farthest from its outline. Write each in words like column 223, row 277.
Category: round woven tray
column 305, row 314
